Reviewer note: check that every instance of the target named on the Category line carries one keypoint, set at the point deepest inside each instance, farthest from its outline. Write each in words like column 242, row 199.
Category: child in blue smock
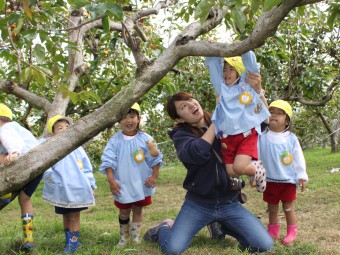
column 283, row 159
column 69, row 185
column 131, row 162
column 16, row 140
column 238, row 115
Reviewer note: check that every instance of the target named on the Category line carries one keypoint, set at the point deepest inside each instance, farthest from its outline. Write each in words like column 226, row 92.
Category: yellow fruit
column 153, row 46
column 8, row 11
column 106, row 52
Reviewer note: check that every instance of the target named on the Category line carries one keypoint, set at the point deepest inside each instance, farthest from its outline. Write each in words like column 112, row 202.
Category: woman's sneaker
column 260, row 176
column 151, row 235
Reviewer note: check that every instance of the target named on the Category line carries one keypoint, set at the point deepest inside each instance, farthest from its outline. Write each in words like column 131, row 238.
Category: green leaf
column 255, row 4
column 78, row 3
column 64, row 90
column 106, row 24
column 115, row 10
column 28, row 74
column 89, row 96
column 202, row 10
column 74, row 97
column 2, row 5
column 239, row 18
column 269, row 4
column 39, row 53
column 39, row 76
column 331, row 19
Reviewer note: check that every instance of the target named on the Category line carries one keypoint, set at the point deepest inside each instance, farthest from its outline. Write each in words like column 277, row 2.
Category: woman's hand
column 254, row 79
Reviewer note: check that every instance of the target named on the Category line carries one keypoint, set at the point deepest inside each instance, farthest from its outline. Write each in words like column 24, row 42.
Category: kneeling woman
column 208, row 197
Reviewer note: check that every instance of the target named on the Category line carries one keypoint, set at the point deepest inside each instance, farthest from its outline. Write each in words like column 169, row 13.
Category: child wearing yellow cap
column 283, row 159
column 238, row 115
column 69, row 185
column 16, row 140
column 131, row 163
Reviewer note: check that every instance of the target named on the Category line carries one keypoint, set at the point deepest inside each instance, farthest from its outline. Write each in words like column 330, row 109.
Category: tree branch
column 10, row 87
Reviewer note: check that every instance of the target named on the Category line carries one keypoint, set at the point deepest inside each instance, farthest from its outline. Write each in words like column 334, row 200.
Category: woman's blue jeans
column 235, row 219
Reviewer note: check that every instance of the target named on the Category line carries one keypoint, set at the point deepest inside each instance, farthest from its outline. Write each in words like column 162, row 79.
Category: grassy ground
column 318, row 211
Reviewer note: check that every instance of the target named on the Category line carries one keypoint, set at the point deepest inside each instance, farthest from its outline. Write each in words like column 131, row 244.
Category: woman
column 209, row 197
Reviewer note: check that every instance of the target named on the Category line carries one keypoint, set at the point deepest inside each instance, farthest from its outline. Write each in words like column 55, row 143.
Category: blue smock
column 240, row 108
column 132, row 164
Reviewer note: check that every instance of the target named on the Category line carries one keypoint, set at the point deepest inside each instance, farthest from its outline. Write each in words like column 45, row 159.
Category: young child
column 69, row 185
column 16, row 140
column 283, row 158
column 132, row 173
column 238, row 116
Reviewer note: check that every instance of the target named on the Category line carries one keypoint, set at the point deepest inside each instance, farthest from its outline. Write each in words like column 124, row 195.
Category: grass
column 318, row 212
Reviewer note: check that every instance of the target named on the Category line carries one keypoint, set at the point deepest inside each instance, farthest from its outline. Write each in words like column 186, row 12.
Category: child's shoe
column 135, row 230
column 124, row 233
column 291, row 234
column 274, row 230
column 260, row 176
column 72, row 242
column 5, row 199
column 151, row 234
column 27, row 227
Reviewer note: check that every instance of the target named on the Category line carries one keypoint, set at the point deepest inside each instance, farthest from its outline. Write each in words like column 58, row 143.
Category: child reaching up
column 16, row 140
column 283, row 159
column 238, row 115
column 69, row 185
column 131, row 162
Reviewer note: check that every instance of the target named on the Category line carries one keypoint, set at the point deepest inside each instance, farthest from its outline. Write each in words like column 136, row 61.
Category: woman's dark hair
column 171, row 109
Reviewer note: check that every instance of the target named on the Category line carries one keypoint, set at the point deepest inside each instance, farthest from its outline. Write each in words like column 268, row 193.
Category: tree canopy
column 93, row 59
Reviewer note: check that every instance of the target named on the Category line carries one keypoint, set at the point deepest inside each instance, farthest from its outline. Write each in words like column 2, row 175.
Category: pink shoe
column 291, row 234
column 274, row 230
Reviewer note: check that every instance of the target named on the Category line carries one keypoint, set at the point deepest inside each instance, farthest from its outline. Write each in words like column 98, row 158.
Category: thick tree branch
column 10, row 87
column 329, row 92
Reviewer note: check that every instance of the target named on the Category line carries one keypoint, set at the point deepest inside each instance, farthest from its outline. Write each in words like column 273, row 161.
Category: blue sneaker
column 151, row 235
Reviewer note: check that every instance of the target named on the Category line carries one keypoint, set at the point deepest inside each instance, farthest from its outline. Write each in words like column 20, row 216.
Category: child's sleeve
column 299, row 162
column 88, row 170
column 11, row 141
column 250, row 63
column 215, row 68
column 109, row 157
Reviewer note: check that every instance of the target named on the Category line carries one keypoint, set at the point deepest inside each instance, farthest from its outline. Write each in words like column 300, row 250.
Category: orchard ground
column 318, row 211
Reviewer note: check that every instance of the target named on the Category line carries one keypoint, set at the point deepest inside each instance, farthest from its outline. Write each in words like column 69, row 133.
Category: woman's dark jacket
column 206, row 180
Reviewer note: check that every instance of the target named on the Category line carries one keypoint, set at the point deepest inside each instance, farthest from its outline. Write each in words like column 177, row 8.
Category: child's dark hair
column 171, row 109
column 5, row 119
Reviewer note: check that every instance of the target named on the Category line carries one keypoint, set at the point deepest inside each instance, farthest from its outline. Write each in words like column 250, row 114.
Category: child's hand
column 151, row 182
column 303, row 184
column 9, row 158
column 114, row 187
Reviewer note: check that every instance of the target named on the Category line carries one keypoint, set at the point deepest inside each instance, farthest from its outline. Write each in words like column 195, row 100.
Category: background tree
column 93, row 60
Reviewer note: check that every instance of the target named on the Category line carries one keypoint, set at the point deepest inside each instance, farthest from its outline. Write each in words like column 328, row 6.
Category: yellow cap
column 53, row 120
column 237, row 63
column 5, row 111
column 136, row 107
column 283, row 105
